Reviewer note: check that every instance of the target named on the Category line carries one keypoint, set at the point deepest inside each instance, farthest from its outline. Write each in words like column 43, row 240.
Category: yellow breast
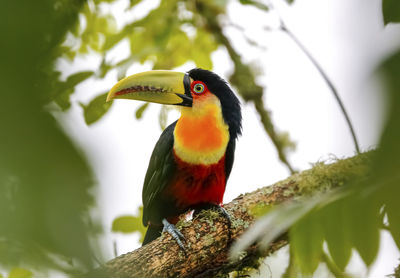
column 201, row 135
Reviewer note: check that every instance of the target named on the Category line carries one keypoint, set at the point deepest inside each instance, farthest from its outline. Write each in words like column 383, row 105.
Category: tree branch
column 207, row 235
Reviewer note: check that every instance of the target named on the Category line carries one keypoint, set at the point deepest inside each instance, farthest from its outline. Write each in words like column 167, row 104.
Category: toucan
column 193, row 158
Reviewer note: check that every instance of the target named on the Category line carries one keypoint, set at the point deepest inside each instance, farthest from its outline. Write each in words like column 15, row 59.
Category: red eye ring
column 198, row 87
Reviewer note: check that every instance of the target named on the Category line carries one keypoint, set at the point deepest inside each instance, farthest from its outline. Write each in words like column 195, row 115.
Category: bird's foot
column 174, row 232
column 219, row 209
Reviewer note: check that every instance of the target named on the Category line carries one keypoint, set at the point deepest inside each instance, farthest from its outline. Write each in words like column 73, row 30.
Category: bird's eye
column 198, row 88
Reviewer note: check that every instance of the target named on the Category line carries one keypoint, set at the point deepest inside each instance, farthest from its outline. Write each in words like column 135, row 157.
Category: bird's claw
column 174, row 232
column 223, row 211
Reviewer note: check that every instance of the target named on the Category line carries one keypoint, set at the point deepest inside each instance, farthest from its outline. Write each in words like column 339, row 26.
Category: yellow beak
column 159, row 86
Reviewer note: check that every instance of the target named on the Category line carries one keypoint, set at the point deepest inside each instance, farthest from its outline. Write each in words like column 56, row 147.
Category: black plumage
column 162, row 165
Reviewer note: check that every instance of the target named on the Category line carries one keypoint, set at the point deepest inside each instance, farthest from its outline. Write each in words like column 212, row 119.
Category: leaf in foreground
column 130, row 224
column 273, row 224
column 306, row 238
column 20, row 273
column 391, row 11
column 96, row 109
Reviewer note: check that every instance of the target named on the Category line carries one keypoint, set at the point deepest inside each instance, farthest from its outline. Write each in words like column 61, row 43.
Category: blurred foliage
column 20, row 273
column 44, row 179
column 130, row 224
column 396, row 273
column 306, row 238
column 351, row 217
column 139, row 112
column 61, row 91
column 96, row 108
column 390, row 9
column 167, row 37
column 255, row 4
column 170, row 35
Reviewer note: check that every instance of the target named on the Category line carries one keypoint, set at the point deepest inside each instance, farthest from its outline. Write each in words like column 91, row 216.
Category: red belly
column 196, row 184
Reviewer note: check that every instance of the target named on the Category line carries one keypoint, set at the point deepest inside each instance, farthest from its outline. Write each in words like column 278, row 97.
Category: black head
column 230, row 104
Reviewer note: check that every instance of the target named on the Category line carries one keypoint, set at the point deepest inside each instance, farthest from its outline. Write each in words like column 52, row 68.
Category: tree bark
column 207, row 235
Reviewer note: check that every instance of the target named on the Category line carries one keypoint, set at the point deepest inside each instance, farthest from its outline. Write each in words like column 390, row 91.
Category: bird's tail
column 153, row 232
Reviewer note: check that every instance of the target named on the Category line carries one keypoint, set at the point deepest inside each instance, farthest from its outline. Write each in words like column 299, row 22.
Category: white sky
column 346, row 37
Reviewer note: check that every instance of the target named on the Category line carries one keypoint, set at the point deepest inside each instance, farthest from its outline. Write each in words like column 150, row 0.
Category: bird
column 192, row 160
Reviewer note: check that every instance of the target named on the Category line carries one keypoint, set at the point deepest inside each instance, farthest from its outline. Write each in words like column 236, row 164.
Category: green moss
column 208, row 215
column 208, row 240
column 239, row 222
column 267, row 190
column 290, row 191
column 181, row 254
column 323, row 177
column 183, row 223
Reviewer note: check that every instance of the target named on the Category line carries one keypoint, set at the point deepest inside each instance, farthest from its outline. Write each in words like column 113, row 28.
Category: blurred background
column 72, row 166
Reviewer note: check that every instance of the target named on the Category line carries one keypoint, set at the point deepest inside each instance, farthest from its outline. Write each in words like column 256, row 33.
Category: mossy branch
column 207, row 235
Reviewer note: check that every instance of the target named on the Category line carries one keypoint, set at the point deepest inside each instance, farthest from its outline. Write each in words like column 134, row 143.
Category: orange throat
column 201, row 135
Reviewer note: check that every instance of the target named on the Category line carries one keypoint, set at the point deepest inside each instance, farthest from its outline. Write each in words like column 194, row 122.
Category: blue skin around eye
column 199, row 91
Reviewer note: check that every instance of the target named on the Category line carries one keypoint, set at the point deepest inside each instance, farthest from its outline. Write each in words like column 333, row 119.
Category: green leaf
column 362, row 221
column 63, row 98
column 292, row 270
column 256, row 4
column 203, row 46
column 112, row 40
column 177, row 51
column 77, row 78
column 98, row 27
column 140, row 110
column 96, row 108
column 391, row 11
column 393, row 210
column 104, row 68
column 75, row 29
column 134, row 3
column 64, row 90
column 66, row 52
column 46, row 183
column 20, row 273
column 274, row 223
column 387, row 162
column 130, row 224
column 306, row 238
column 103, row 1
column 336, row 233
column 163, row 117
column 126, row 224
